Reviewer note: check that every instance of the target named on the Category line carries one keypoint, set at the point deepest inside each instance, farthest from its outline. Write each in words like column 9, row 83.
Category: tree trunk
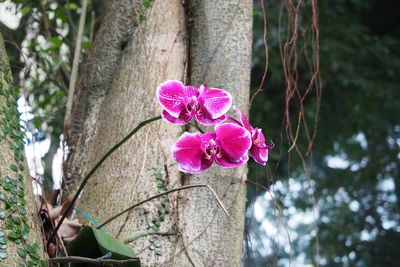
column 158, row 45
column 18, row 213
column 220, row 55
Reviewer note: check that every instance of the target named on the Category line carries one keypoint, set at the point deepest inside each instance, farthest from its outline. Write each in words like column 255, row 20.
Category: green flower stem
column 196, row 125
column 98, row 164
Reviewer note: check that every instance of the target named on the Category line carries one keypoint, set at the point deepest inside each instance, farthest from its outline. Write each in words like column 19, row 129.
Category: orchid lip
column 212, row 150
column 193, row 104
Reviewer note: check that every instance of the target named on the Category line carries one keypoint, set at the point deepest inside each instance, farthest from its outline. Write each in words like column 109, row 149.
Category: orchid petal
column 205, row 164
column 257, row 134
column 170, row 95
column 259, row 154
column 234, row 140
column 243, row 119
column 181, row 120
column 188, row 154
column 216, row 101
column 226, row 162
column 204, row 118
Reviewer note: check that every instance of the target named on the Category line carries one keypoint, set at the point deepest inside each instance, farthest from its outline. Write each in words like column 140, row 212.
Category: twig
column 264, row 76
column 98, row 164
column 146, row 233
column 163, row 194
column 76, row 259
column 92, row 27
column 75, row 63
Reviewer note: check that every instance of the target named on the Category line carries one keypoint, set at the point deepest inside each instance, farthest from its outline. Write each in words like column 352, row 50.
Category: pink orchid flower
column 181, row 103
column 227, row 147
column 258, row 150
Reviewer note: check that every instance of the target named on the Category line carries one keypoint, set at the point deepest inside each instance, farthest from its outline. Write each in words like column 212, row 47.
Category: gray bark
column 213, row 47
column 100, row 70
column 220, row 55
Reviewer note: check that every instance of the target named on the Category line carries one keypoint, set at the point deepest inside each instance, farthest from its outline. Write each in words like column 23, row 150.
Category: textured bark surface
column 220, row 55
column 156, row 52
column 100, row 70
column 218, row 51
column 7, row 159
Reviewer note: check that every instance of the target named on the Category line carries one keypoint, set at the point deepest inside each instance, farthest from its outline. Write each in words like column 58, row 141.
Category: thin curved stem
column 143, row 233
column 98, row 164
column 163, row 194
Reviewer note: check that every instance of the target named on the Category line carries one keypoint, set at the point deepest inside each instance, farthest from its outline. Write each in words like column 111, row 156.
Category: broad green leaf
column 93, row 243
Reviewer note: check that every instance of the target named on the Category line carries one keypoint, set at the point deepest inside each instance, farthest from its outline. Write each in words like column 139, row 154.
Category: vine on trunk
column 13, row 211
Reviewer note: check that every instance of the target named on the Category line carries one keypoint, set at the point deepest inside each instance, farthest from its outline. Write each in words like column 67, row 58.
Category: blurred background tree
column 350, row 181
column 354, row 165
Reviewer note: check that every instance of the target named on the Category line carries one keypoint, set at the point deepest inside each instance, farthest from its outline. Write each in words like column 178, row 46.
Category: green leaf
column 158, row 251
column 7, row 186
column 13, row 191
column 22, row 202
column 14, row 167
column 9, row 224
column 22, row 211
column 16, row 220
column 61, row 15
column 13, row 235
column 21, row 193
column 13, row 199
column 3, row 241
column 72, row 6
column 3, row 254
column 54, row 42
column 32, row 249
column 95, row 243
column 25, row 10
column 37, row 122
column 13, row 181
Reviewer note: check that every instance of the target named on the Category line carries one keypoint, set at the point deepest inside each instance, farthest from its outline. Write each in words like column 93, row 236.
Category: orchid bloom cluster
column 229, row 145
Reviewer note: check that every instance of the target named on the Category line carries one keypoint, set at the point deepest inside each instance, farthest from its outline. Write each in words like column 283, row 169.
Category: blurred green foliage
column 41, row 53
column 355, row 160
